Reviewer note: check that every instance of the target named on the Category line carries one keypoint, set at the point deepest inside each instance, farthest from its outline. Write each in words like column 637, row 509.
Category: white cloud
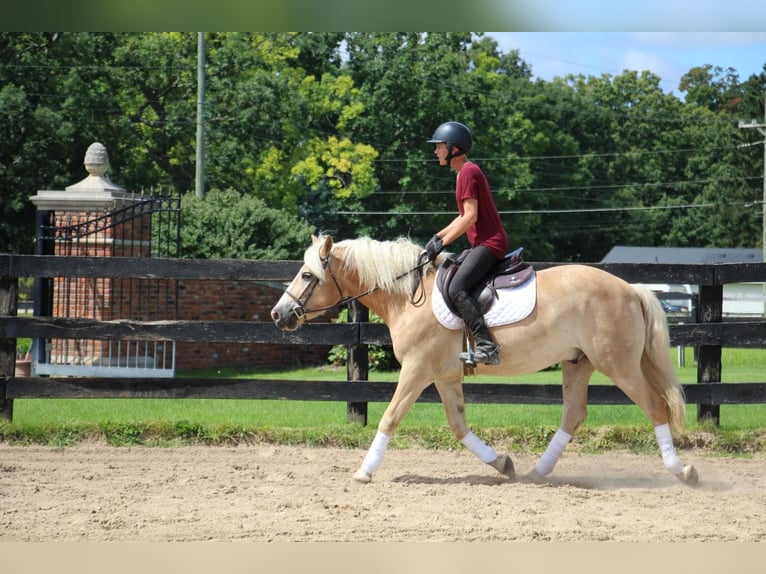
column 667, row 55
column 641, row 60
column 669, row 71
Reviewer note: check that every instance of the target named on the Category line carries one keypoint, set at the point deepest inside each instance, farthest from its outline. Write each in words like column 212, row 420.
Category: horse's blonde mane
column 381, row 264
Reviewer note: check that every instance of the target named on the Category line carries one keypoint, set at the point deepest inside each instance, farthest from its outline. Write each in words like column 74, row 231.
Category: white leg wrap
column 374, row 457
column 551, row 455
column 484, row 452
column 669, row 456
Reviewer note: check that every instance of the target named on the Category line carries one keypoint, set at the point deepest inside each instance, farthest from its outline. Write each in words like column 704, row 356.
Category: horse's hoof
column 504, row 465
column 535, row 477
column 689, row 476
column 362, row 476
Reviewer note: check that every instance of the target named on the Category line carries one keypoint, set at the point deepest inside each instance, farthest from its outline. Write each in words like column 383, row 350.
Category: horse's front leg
column 408, row 389
column 451, row 393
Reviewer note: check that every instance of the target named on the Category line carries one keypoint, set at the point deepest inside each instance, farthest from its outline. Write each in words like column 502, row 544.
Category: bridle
column 302, row 300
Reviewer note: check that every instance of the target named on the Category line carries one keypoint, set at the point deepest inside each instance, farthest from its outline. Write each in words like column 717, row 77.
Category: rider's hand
column 434, row 247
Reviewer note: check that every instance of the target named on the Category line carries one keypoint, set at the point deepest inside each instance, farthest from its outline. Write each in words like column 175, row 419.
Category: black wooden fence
column 708, row 335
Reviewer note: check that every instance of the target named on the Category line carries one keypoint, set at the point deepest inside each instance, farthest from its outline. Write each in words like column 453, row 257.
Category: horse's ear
column 314, row 239
column 324, row 250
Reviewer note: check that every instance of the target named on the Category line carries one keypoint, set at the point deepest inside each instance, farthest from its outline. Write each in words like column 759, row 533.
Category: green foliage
column 526, row 439
column 331, row 127
column 23, row 345
column 518, row 428
column 380, row 357
column 228, row 225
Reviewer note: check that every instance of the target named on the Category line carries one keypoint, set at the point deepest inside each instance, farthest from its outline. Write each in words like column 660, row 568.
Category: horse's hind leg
column 638, row 389
column 451, row 393
column 576, row 376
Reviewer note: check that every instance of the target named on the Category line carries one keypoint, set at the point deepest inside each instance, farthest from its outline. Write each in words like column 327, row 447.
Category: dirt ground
column 273, row 493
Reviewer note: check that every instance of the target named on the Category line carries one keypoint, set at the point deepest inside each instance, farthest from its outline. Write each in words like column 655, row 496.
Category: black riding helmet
column 455, row 135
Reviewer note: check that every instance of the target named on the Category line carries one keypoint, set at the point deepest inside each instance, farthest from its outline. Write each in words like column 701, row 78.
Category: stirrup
column 471, row 357
column 468, row 358
column 468, row 355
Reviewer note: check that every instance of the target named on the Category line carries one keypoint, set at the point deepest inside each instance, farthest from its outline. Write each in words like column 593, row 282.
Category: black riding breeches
column 476, row 265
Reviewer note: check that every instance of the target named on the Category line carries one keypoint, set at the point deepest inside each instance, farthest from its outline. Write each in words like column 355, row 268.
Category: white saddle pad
column 512, row 305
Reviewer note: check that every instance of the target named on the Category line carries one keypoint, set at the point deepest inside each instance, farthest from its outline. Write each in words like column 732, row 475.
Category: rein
column 301, row 310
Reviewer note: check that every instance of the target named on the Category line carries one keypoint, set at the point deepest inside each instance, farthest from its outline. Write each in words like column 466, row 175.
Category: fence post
column 9, row 288
column 709, row 310
column 42, row 296
column 357, row 364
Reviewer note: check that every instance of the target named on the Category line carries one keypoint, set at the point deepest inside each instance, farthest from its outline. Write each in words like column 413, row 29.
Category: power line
column 561, row 211
column 605, row 187
column 94, row 67
column 572, row 156
column 762, row 130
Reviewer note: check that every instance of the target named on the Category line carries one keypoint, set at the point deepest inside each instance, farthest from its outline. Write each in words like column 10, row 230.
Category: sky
column 669, row 55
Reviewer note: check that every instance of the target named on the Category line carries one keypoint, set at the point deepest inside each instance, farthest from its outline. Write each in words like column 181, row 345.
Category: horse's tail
column 656, row 363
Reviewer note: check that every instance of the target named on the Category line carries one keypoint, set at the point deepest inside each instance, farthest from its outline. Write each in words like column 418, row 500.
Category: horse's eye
column 307, row 276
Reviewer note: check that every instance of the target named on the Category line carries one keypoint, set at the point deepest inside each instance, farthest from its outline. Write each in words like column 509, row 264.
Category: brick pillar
column 86, row 205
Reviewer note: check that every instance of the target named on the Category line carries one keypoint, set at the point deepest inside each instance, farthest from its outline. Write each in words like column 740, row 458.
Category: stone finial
column 95, row 192
column 96, row 164
column 96, row 159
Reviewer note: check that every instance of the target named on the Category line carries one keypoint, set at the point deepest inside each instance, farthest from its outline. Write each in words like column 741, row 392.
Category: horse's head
column 357, row 267
column 309, row 294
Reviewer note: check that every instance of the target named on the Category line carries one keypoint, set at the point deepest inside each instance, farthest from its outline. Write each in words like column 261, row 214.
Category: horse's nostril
column 274, row 315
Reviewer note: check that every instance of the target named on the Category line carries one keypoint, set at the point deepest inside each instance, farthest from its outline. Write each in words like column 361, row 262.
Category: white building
column 739, row 299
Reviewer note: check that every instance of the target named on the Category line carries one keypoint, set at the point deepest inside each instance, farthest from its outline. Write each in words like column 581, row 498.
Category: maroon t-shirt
column 488, row 229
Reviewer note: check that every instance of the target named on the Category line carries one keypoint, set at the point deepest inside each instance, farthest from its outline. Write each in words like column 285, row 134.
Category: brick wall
column 237, row 301
column 153, row 299
column 85, row 234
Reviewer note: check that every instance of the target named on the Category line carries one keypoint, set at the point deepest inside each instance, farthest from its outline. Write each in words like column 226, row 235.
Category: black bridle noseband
column 302, row 300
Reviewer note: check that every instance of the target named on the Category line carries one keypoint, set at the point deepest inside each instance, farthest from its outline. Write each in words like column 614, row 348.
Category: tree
column 37, row 134
column 153, row 80
column 712, row 87
column 230, row 225
column 722, row 184
column 639, row 163
column 411, row 83
column 566, row 170
column 331, row 129
column 279, row 132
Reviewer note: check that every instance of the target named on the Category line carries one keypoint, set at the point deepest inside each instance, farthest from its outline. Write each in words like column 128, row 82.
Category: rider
column 480, row 221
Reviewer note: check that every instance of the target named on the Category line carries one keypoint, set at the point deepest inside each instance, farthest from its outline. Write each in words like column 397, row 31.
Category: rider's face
column 441, row 151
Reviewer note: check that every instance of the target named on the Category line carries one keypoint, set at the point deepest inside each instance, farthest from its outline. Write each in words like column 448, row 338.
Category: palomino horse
column 585, row 319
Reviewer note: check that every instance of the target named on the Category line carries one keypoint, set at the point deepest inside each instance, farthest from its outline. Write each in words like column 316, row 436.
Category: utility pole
column 762, row 129
column 200, row 169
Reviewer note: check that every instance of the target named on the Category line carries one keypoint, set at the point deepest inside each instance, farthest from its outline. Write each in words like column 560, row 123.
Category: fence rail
column 735, row 334
column 708, row 335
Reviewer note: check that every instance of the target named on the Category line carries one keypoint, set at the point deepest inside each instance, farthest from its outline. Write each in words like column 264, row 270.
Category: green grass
column 216, row 421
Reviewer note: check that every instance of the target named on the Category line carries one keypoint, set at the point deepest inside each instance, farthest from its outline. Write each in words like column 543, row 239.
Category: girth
column 510, row 272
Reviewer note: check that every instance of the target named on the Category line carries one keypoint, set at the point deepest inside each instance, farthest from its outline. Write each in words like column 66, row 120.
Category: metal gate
column 146, row 226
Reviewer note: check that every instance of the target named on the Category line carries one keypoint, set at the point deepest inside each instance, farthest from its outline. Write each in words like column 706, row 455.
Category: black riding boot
column 485, row 348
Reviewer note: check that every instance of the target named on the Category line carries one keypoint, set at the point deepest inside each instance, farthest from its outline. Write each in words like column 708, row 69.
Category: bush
column 23, row 345
column 381, row 357
column 229, row 225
